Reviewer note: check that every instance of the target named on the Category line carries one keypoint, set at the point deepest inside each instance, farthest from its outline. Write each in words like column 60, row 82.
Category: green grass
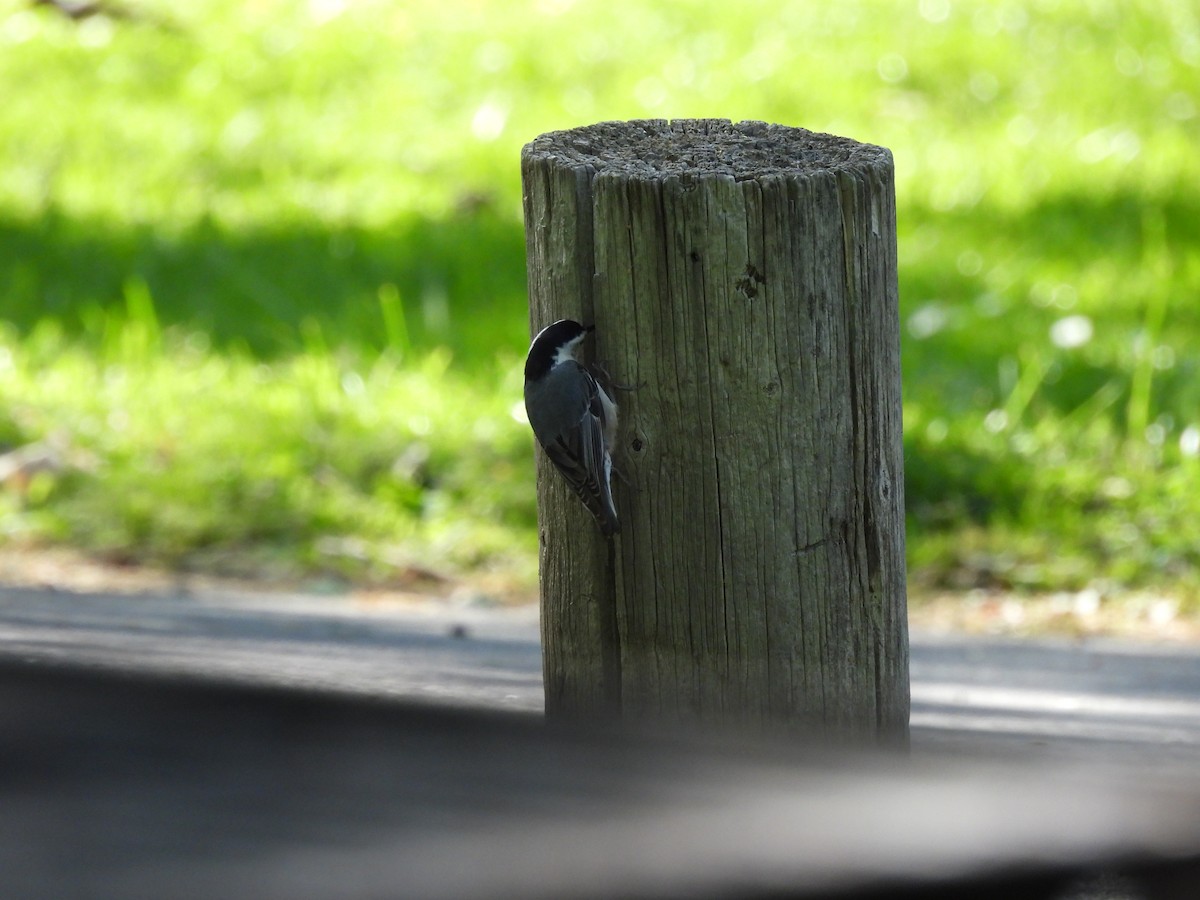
column 165, row 451
column 262, row 267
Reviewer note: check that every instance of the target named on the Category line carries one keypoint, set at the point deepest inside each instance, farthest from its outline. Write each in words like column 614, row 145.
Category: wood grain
column 745, row 277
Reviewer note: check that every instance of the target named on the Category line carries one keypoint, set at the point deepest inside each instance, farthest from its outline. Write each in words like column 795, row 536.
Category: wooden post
column 744, row 276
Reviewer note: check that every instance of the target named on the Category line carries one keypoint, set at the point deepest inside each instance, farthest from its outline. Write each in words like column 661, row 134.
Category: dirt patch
column 1087, row 613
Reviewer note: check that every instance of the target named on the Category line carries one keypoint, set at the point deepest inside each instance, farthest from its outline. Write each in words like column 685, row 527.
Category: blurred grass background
column 262, row 281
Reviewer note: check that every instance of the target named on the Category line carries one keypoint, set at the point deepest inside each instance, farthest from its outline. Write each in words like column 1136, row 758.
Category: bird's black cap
column 547, row 343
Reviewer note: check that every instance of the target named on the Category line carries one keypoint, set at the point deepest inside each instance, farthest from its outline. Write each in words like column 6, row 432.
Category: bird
column 573, row 417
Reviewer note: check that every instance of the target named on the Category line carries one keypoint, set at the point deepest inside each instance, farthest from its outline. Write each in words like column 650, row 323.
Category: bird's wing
column 581, row 455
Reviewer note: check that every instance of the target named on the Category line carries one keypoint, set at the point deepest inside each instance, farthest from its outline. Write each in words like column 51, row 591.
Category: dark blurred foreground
column 140, row 759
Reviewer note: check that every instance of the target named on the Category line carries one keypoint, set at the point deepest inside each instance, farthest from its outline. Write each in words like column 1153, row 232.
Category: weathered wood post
column 744, row 276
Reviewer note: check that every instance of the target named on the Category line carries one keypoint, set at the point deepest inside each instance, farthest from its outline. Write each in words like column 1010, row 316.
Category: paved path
column 1136, row 703
column 237, row 793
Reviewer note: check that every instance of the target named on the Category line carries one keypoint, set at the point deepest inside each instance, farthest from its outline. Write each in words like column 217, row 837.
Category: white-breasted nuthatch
column 573, row 418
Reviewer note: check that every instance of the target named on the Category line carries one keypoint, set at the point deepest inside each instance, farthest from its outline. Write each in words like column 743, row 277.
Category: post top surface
column 655, row 148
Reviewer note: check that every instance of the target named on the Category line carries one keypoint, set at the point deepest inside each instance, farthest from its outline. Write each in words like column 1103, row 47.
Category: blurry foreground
column 216, row 744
